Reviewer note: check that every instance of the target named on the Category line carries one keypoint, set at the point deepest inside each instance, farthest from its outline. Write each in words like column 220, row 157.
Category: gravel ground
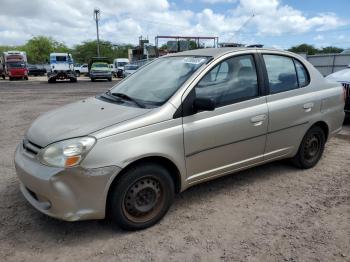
column 273, row 212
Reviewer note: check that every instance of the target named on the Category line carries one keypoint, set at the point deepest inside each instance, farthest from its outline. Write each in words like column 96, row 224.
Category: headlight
column 67, row 153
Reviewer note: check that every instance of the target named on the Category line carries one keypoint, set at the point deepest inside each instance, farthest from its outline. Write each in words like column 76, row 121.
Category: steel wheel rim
column 143, row 199
column 312, row 147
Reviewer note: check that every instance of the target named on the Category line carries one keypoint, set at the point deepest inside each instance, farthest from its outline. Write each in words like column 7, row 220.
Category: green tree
column 39, row 48
column 82, row 53
column 304, row 48
column 331, row 50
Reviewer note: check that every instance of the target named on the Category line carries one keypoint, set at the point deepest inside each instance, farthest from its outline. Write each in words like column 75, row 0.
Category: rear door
column 291, row 104
column 232, row 136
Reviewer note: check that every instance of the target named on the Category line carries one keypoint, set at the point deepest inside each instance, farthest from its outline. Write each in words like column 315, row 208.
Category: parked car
column 343, row 77
column 36, row 70
column 100, row 70
column 130, row 69
column 81, row 69
column 210, row 112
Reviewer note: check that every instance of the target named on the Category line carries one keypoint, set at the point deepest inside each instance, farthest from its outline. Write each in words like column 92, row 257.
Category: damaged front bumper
column 69, row 194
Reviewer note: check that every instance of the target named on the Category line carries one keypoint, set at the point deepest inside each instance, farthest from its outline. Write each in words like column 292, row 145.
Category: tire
column 10, row 78
column 311, row 148
column 77, row 73
column 109, row 79
column 73, row 80
column 141, row 197
column 26, row 78
column 51, row 81
column 92, row 79
column 3, row 77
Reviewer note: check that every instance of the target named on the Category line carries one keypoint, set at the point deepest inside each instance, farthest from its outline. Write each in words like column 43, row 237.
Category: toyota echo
column 178, row 121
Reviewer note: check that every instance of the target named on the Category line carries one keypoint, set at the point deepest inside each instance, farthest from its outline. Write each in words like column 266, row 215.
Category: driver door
column 233, row 135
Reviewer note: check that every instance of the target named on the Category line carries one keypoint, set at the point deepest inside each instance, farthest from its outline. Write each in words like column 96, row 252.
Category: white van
column 119, row 64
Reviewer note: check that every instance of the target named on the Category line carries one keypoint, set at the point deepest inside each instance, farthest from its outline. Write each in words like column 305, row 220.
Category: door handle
column 258, row 120
column 308, row 106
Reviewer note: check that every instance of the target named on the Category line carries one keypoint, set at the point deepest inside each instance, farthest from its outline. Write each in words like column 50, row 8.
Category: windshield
column 121, row 63
column 156, row 82
column 16, row 65
column 131, row 67
column 100, row 65
column 61, row 58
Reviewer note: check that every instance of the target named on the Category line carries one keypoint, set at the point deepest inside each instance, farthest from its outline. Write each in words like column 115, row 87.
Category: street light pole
column 97, row 14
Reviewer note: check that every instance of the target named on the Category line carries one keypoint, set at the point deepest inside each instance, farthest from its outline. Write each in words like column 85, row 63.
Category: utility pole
column 97, row 14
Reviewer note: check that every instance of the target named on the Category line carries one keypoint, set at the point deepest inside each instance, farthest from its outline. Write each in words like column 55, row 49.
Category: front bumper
column 69, row 194
column 61, row 75
column 101, row 75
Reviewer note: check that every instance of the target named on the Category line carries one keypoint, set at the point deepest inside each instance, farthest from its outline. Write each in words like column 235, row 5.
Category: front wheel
column 311, row 148
column 141, row 197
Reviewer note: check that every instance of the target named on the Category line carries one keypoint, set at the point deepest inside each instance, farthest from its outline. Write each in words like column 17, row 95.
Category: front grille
column 347, row 89
column 347, row 96
column 30, row 147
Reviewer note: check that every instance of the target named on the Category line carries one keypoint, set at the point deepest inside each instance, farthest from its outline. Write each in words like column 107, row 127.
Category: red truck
column 14, row 65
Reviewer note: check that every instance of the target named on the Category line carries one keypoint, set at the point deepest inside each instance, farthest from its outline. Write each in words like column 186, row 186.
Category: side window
column 281, row 73
column 303, row 76
column 232, row 80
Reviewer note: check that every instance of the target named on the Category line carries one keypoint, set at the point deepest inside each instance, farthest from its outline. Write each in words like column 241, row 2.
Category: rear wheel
column 311, row 148
column 141, row 197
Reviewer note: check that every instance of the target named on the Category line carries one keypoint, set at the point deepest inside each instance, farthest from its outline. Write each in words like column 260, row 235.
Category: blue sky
column 277, row 23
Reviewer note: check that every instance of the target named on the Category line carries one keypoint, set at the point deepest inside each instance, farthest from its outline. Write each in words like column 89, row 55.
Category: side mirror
column 204, row 104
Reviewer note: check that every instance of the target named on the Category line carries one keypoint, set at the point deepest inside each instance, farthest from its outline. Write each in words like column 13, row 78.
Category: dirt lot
column 270, row 213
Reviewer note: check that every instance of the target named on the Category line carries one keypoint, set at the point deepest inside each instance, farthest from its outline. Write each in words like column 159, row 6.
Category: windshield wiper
column 126, row 97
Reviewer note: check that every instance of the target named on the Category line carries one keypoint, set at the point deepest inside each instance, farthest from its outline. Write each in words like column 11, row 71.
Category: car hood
column 79, row 119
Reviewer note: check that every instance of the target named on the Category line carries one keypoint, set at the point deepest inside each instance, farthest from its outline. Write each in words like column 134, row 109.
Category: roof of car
column 215, row 52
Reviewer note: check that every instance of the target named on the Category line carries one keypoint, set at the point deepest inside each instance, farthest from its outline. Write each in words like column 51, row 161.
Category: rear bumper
column 68, row 194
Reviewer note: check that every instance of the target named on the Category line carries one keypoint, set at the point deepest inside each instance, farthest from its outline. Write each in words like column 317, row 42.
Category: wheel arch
column 159, row 160
column 324, row 126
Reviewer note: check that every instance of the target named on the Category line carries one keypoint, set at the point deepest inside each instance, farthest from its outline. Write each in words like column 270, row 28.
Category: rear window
column 281, row 73
column 131, row 67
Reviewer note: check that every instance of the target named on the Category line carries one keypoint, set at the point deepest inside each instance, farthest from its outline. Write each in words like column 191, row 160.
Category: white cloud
column 219, row 1
column 319, row 37
column 124, row 21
